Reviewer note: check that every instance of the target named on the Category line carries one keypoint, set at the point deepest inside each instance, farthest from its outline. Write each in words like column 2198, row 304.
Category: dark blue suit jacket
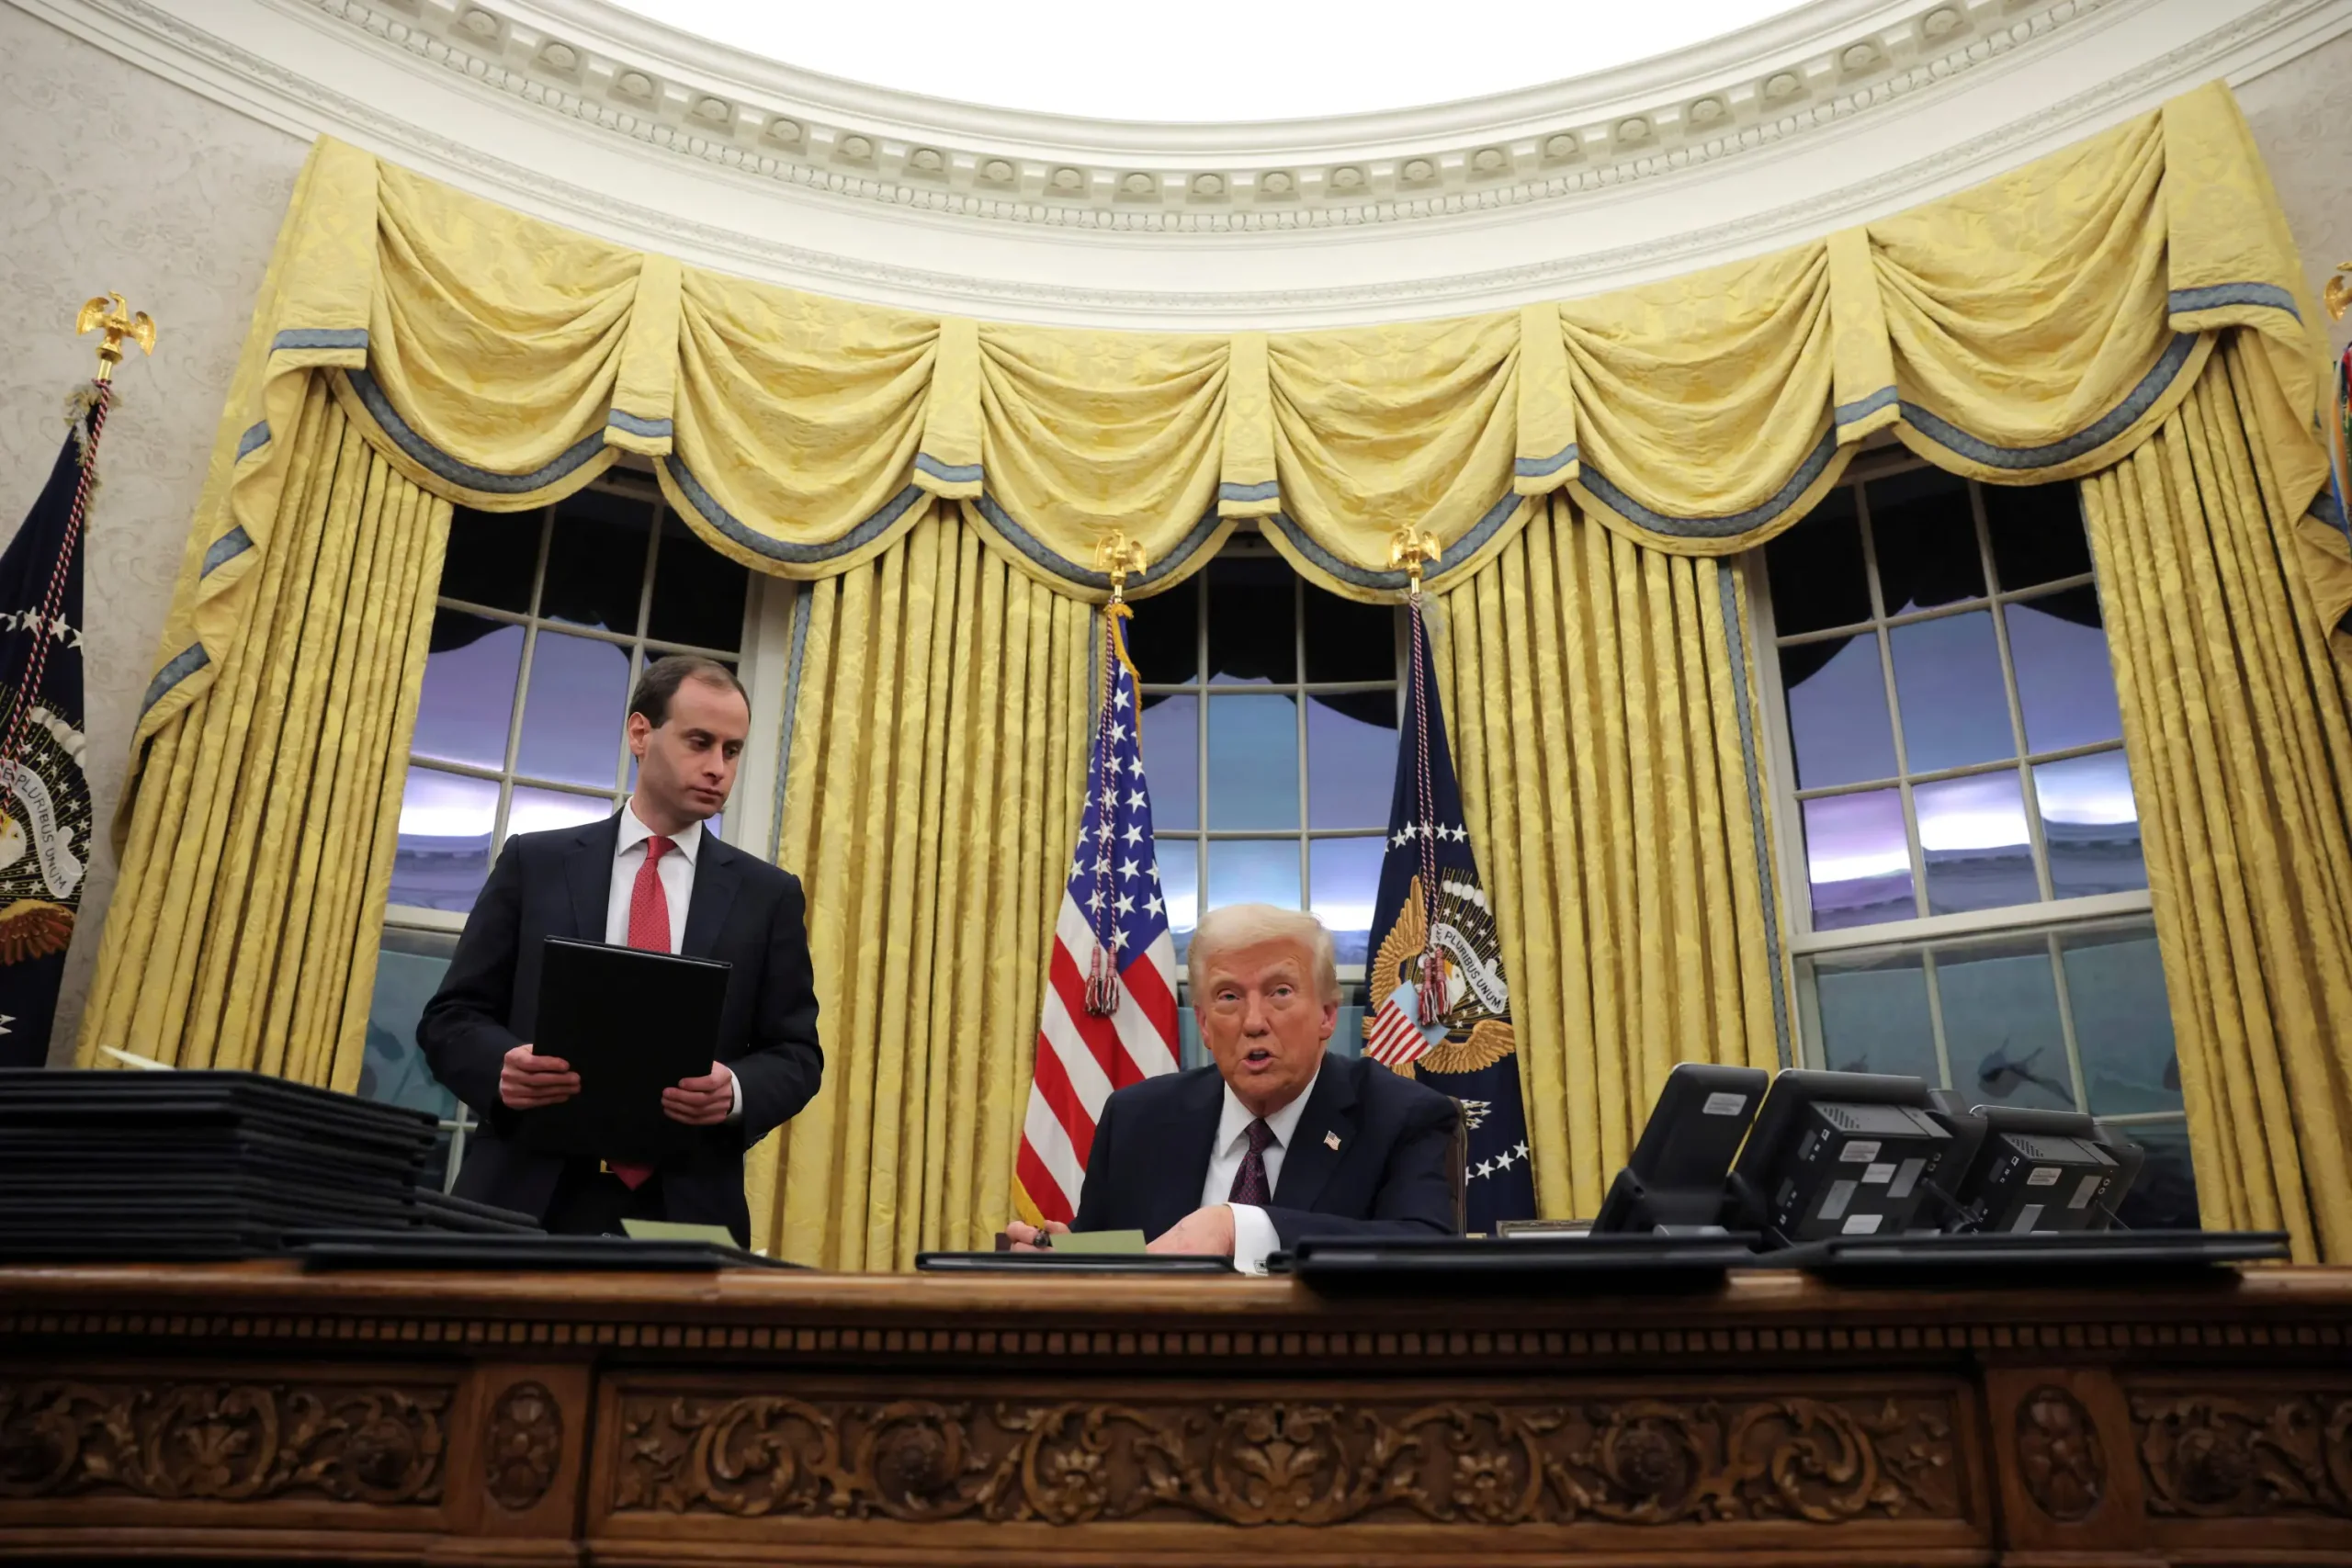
column 744, row 911
column 1388, row 1177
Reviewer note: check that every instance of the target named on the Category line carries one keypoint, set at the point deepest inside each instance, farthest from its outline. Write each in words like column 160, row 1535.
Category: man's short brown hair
column 664, row 676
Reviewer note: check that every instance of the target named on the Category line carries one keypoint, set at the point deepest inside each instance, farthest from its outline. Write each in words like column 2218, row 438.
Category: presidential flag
column 1437, row 1004
column 1110, row 1012
column 45, row 818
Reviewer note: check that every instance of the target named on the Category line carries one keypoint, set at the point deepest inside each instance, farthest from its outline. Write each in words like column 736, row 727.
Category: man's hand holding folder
column 528, row 1080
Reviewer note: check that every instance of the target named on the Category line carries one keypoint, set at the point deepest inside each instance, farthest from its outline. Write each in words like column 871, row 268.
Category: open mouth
column 1258, row 1057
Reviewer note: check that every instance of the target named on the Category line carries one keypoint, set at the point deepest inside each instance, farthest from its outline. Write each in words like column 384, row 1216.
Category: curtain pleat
column 930, row 797
column 1594, row 697
column 2235, row 725
column 244, row 932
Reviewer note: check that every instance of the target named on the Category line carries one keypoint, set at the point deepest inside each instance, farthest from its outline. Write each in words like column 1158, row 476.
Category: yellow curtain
column 2235, row 718
column 243, row 930
column 937, row 750
column 1600, row 702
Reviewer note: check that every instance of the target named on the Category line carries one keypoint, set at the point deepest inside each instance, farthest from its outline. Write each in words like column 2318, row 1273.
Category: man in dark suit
column 647, row 877
column 1278, row 1140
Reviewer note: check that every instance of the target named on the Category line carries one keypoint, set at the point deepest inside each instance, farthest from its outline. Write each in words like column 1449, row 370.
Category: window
column 1966, row 892
column 543, row 623
column 1271, row 712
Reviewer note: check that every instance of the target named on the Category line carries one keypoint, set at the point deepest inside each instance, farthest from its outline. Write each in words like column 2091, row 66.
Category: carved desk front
column 253, row 1412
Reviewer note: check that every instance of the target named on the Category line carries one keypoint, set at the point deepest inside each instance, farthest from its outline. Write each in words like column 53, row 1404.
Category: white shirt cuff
column 1253, row 1238
column 735, row 1083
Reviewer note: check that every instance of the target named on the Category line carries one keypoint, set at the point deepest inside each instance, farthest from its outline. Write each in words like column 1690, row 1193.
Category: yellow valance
column 2033, row 328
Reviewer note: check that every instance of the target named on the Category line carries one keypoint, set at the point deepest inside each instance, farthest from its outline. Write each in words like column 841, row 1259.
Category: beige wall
column 113, row 179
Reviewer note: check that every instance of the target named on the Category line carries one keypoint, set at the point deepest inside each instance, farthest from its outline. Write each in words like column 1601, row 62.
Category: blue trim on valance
column 182, row 665
column 733, row 527
column 380, row 408
column 1462, row 550
column 1862, row 408
column 2097, row 433
column 1069, row 570
column 2269, row 295
column 319, row 337
column 1537, row 468
column 947, row 473
column 1816, row 462
column 226, row 548
column 652, row 429
column 255, row 438
column 1265, row 489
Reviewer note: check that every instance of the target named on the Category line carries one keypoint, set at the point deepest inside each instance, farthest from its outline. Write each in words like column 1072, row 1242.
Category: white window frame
column 761, row 663
column 2052, row 920
column 1248, row 544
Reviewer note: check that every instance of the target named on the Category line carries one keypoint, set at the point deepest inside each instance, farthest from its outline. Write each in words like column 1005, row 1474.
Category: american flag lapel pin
column 1331, row 1141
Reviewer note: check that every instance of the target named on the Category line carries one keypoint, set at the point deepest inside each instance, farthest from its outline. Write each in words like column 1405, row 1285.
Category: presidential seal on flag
column 1471, row 1028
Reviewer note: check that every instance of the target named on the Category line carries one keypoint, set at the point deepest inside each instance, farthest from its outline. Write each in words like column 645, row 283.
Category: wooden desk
column 251, row 1411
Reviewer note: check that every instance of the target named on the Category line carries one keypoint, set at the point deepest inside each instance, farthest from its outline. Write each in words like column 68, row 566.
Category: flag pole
column 1412, row 548
column 1117, row 555
column 116, row 323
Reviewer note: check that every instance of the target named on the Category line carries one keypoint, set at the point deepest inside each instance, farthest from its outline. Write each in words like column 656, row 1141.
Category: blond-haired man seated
column 1278, row 1140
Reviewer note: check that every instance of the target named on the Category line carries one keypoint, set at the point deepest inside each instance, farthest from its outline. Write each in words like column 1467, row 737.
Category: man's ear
column 639, row 727
column 1330, row 1018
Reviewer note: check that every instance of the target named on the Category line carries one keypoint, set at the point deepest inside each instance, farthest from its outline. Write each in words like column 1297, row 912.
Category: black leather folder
column 631, row 1023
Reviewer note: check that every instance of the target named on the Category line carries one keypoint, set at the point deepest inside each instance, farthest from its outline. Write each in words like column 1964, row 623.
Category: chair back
column 1458, row 1166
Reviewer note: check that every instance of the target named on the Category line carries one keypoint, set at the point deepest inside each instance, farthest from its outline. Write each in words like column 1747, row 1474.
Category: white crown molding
column 1923, row 125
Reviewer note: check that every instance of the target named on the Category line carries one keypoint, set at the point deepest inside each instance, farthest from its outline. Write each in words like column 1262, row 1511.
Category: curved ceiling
column 1224, row 60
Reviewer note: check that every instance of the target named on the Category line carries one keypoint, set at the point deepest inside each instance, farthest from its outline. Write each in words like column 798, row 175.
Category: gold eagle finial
column 119, row 323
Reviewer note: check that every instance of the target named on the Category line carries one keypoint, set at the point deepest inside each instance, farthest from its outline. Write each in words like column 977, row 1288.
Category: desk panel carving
column 2215, row 1456
column 236, row 1442
column 1638, row 1461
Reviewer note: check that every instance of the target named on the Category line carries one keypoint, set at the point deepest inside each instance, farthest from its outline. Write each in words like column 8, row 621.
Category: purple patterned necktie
column 1250, row 1184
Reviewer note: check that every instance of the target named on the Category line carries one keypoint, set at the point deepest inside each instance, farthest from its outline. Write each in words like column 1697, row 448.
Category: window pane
column 1348, row 641
column 1171, row 760
column 1858, row 859
column 2037, row 534
column 1252, row 637
column 536, row 810
column 1351, row 758
column 442, row 852
column 1343, row 879
column 1253, row 763
column 1874, row 1016
column 697, row 592
column 2115, row 982
column 572, row 715
column 1180, row 883
column 1838, row 713
column 2091, row 826
column 1815, row 570
column 492, row 558
column 2001, row 1025
column 1253, row 870
column 596, row 560
column 468, row 702
column 1947, row 680
column 2165, row 1198
column 1972, row 835
column 1164, row 637
column 1926, row 537
column 2066, row 686
column 391, row 1070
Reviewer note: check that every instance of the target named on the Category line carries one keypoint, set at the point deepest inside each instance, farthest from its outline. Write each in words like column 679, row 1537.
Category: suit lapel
column 588, row 871
column 1192, row 1143
column 717, row 876
column 1321, row 1138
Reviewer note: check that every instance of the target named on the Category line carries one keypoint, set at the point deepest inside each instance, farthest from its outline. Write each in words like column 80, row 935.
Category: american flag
column 1114, row 921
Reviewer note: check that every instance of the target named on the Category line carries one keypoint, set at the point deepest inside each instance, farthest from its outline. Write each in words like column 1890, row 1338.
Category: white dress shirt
column 1254, row 1232
column 676, row 870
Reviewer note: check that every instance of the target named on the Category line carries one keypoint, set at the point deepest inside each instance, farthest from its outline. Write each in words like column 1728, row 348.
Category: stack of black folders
column 147, row 1166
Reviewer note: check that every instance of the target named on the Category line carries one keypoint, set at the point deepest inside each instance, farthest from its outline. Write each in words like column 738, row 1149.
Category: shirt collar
column 1235, row 1119
column 633, row 833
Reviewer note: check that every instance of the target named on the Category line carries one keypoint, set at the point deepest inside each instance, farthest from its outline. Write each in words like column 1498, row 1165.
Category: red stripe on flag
column 1039, row 1183
column 1101, row 1036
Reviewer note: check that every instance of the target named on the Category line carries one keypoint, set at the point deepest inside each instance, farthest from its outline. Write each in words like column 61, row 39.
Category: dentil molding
column 594, row 117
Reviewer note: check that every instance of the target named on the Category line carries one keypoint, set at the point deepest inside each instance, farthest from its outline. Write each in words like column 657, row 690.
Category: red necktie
column 648, row 928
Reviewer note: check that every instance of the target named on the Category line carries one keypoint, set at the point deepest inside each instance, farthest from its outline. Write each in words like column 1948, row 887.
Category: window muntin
column 543, row 622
